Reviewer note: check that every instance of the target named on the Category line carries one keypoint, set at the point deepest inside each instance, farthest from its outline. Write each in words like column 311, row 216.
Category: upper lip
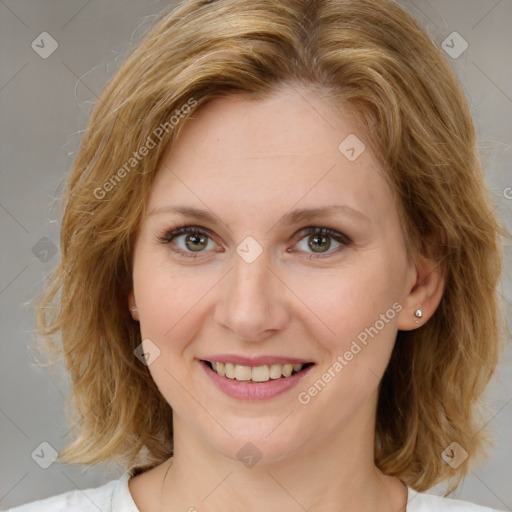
column 254, row 361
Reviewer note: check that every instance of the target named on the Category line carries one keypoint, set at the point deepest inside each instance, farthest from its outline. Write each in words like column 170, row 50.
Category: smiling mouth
column 256, row 374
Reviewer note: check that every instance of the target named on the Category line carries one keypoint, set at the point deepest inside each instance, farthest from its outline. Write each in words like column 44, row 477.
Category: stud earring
column 418, row 313
column 133, row 308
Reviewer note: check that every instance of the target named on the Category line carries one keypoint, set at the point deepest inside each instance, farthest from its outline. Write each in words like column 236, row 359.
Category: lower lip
column 244, row 390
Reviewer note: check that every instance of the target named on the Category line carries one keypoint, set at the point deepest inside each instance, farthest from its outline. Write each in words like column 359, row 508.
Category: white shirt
column 115, row 496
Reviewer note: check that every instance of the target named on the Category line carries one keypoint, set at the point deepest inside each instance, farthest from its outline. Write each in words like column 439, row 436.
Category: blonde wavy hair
column 370, row 55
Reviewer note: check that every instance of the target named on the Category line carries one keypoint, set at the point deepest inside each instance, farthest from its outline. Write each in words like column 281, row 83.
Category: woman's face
column 250, row 281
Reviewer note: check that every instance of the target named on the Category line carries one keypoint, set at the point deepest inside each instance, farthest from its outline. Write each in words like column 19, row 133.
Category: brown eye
column 319, row 243
column 319, row 240
column 195, row 239
column 196, row 242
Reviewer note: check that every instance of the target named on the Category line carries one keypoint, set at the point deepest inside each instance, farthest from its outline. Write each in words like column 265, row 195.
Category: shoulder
column 422, row 502
column 114, row 496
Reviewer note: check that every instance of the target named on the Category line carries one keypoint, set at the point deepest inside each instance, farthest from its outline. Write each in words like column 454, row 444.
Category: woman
column 279, row 264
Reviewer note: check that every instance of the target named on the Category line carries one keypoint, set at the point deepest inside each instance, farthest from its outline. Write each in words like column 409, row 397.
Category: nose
column 252, row 303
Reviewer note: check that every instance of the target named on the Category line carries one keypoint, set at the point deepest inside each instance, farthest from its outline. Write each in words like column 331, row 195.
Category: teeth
column 287, row 370
column 230, row 370
column 256, row 373
column 275, row 371
column 260, row 373
column 243, row 372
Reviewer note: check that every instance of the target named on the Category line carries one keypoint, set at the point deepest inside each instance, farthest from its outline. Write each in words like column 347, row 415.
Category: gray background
column 44, row 105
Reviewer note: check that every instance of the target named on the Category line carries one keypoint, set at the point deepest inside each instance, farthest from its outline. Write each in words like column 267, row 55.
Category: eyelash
column 167, row 236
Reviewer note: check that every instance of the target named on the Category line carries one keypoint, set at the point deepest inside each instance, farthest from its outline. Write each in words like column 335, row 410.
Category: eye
column 193, row 240
column 319, row 240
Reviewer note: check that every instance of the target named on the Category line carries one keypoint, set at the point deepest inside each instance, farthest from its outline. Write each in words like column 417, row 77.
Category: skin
column 250, row 163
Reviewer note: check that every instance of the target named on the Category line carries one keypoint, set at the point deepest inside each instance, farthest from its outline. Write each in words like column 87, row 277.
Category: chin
column 262, row 446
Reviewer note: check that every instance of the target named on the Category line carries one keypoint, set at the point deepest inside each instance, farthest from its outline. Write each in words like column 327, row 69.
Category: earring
column 133, row 308
column 418, row 313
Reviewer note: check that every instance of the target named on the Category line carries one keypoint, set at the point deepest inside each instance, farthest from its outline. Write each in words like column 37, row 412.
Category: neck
column 336, row 473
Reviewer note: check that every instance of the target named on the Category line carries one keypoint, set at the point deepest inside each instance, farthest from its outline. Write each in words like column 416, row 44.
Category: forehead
column 289, row 149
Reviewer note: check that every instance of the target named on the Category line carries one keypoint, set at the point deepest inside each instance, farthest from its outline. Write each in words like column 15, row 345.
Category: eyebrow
column 294, row 217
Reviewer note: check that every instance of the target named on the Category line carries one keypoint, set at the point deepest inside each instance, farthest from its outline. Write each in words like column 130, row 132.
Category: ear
column 425, row 292
column 133, row 305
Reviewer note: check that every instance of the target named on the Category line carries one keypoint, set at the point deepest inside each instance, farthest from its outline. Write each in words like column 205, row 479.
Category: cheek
column 356, row 303
column 170, row 310
column 358, row 308
column 170, row 302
